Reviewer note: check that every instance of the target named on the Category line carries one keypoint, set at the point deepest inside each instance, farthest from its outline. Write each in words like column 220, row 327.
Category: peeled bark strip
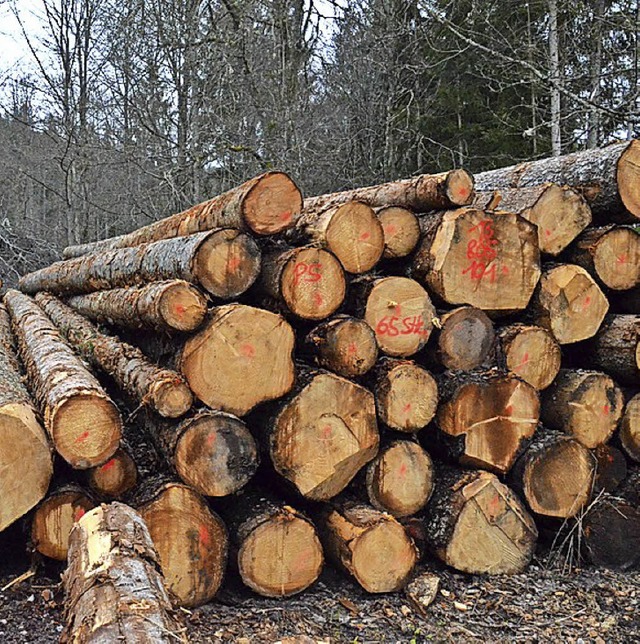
column 240, row 358
column 401, row 231
column 113, row 589
column 116, row 477
column 476, row 524
column 309, row 281
column 25, row 456
column 616, row 348
column 584, row 404
column 84, row 424
column 224, row 262
column 54, row 518
column 421, row 193
column 163, row 390
column 531, row 353
column 191, row 541
column 345, row 345
column 172, row 305
column 569, row 303
column 489, row 260
column 400, row 479
column 331, row 417
column 406, row 395
column 559, row 212
column 489, row 418
column 608, row 178
column 630, row 428
column 370, row 545
column 266, row 205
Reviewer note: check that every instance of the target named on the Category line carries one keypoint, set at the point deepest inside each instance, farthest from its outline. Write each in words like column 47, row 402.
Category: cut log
column 487, row 419
column 344, row 344
column 630, row 428
column 329, row 416
column 240, row 358
column 569, row 303
column 585, row 404
column 370, row 545
column 611, row 468
column 172, row 305
column 529, row 352
column 351, row 231
column 401, row 230
column 489, row 260
column 83, row 422
column 163, row 390
column 555, row 475
column 616, row 348
column 113, row 590
column 476, row 524
column 400, row 479
column 224, row 262
column 559, row 212
column 308, row 281
column 406, row 395
column 54, row 518
column 116, row 477
column 420, row 193
column 608, row 178
column 191, row 541
column 265, row 205
column 610, row 253
column 25, row 456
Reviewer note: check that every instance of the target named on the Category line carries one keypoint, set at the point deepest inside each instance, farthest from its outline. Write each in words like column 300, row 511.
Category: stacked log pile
column 363, row 377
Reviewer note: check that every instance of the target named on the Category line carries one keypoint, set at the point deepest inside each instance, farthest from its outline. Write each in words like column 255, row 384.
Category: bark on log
column 267, row 204
column 113, row 590
column 82, row 421
column 476, row 524
column 611, row 468
column 608, row 178
column 224, row 262
column 401, row 231
column 25, row 456
column 560, row 213
column 163, row 390
column 172, row 305
column 114, row 479
column 630, row 428
column 616, row 348
column 584, row 404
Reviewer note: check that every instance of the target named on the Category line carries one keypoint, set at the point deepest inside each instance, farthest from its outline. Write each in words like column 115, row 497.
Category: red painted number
column 394, row 326
column 303, row 272
column 482, row 252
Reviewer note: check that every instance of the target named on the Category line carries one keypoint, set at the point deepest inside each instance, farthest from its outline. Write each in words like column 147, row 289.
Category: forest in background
column 129, row 110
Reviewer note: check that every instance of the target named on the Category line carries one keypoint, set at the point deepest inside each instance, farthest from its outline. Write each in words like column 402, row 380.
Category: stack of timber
column 362, row 378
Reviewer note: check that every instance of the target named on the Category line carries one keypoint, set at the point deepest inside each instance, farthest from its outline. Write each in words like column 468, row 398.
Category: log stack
column 282, row 383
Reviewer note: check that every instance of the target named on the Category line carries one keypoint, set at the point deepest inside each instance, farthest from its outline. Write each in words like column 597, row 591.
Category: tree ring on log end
column 273, row 204
column 171, row 398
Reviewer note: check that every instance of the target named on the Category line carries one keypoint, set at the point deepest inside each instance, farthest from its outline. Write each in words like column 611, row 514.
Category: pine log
column 611, row 468
column 25, row 456
column 406, row 395
column 420, row 193
column 172, row 305
column 400, row 479
column 344, row 345
column 555, row 475
column 224, row 262
column 265, row 205
column 401, row 230
column 331, row 417
column 370, row 545
column 529, row 352
column 114, row 479
column 54, row 518
column 630, row 428
column 608, row 178
column 82, row 421
column 113, row 589
column 560, row 213
column 487, row 259
column 569, row 303
column 610, row 253
column 487, row 419
column 309, row 282
column 616, row 348
column 191, row 541
column 587, row 405
column 476, row 524
column 163, row 390
column 240, row 358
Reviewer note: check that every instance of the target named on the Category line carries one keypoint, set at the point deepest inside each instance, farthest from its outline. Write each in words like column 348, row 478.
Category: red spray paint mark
column 285, row 217
column 211, row 439
column 78, row 514
column 525, row 360
column 317, row 299
column 397, row 309
column 204, row 537
column 233, row 264
column 606, row 409
column 547, row 233
column 365, row 235
column 623, row 259
column 180, row 310
column 402, row 472
column 326, row 431
column 407, row 408
column 509, row 410
column 83, row 437
column 587, row 302
column 108, row 465
column 505, row 270
column 390, row 229
column 248, row 350
column 352, row 349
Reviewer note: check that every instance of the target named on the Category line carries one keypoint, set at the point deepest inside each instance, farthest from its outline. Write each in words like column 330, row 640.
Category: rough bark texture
column 113, row 590
column 616, row 348
column 611, row 468
column 401, row 230
column 84, row 424
column 117, row 477
column 630, row 428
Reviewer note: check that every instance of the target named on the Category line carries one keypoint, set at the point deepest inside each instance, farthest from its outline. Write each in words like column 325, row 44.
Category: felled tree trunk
column 616, row 348
column 401, row 230
column 630, row 428
column 116, row 477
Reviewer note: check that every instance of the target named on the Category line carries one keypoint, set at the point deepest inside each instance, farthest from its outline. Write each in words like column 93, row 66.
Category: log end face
column 534, row 356
column 116, row 477
column 401, row 231
column 466, row 338
column 273, row 204
column 183, row 307
column 459, row 187
column 630, row 429
column 349, row 348
column 628, row 178
column 172, row 398
column 616, row 258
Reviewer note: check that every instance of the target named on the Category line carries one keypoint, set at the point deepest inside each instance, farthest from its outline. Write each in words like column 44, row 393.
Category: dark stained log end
column 466, row 338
